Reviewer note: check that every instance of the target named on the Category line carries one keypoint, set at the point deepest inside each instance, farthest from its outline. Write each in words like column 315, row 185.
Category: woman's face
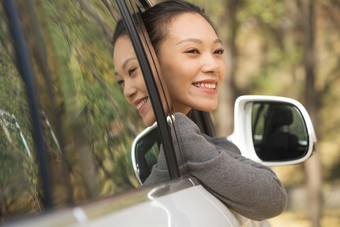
column 192, row 64
column 130, row 78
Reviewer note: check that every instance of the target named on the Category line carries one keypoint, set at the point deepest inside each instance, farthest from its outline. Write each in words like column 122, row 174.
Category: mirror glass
column 146, row 153
column 279, row 132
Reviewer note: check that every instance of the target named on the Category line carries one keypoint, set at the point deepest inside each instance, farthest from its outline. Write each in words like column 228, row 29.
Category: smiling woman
column 190, row 57
column 196, row 71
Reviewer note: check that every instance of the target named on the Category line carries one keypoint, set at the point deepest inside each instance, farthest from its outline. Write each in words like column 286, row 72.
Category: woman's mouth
column 141, row 104
column 203, row 85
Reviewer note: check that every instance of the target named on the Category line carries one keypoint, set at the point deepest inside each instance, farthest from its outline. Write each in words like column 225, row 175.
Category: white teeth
column 141, row 103
column 205, row 85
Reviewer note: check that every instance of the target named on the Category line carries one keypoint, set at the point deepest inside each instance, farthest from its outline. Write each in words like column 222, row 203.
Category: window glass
column 88, row 125
column 20, row 190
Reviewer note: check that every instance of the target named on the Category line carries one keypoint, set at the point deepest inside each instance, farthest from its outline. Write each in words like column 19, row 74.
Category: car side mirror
column 273, row 130
column 144, row 152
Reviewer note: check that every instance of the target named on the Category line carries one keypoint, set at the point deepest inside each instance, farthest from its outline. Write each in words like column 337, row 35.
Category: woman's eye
column 192, row 51
column 132, row 70
column 219, row 51
column 120, row 83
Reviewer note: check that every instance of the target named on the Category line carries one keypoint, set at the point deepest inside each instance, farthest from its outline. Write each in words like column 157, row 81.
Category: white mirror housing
column 243, row 128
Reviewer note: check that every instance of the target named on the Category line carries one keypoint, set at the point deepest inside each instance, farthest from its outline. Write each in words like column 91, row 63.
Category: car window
column 88, row 126
column 86, row 109
column 20, row 190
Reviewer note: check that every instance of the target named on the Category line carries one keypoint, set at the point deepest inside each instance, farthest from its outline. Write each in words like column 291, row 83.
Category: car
column 74, row 153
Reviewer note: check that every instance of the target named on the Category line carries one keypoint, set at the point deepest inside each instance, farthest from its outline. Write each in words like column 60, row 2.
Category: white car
column 74, row 153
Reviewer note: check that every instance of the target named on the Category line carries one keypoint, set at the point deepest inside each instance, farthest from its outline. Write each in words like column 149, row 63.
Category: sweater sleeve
column 247, row 187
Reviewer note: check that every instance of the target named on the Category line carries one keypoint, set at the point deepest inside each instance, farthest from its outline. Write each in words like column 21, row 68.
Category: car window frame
column 26, row 72
column 156, row 101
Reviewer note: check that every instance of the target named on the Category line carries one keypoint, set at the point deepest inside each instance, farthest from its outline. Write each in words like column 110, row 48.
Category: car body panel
column 188, row 207
column 178, row 203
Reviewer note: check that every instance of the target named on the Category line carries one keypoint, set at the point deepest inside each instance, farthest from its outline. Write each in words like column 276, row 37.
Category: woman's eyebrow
column 218, row 40
column 194, row 40
column 127, row 61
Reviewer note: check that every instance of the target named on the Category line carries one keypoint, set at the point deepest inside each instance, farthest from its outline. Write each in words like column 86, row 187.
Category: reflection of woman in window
column 190, row 56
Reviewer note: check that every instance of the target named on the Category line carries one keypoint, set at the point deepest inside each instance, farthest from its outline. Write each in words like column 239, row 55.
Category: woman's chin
column 148, row 121
column 207, row 108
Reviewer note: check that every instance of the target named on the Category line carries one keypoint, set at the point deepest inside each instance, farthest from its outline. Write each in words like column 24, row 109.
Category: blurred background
column 291, row 49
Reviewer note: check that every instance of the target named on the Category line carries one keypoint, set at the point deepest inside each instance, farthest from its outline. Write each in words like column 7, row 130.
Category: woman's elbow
column 276, row 206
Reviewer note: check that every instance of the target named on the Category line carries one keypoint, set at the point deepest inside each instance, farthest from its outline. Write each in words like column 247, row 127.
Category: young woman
column 190, row 56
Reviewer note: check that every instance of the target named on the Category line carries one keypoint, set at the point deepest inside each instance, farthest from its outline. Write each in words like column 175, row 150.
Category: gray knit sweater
column 247, row 187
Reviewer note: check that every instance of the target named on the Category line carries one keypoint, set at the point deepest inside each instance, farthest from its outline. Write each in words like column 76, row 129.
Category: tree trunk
column 224, row 122
column 312, row 166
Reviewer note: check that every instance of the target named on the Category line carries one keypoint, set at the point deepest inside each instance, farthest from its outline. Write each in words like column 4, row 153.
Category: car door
column 66, row 130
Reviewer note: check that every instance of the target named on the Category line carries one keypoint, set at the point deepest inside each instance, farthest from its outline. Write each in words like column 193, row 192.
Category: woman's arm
column 249, row 188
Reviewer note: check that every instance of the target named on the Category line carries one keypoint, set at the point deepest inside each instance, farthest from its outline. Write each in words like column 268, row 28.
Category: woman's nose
column 129, row 90
column 209, row 64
